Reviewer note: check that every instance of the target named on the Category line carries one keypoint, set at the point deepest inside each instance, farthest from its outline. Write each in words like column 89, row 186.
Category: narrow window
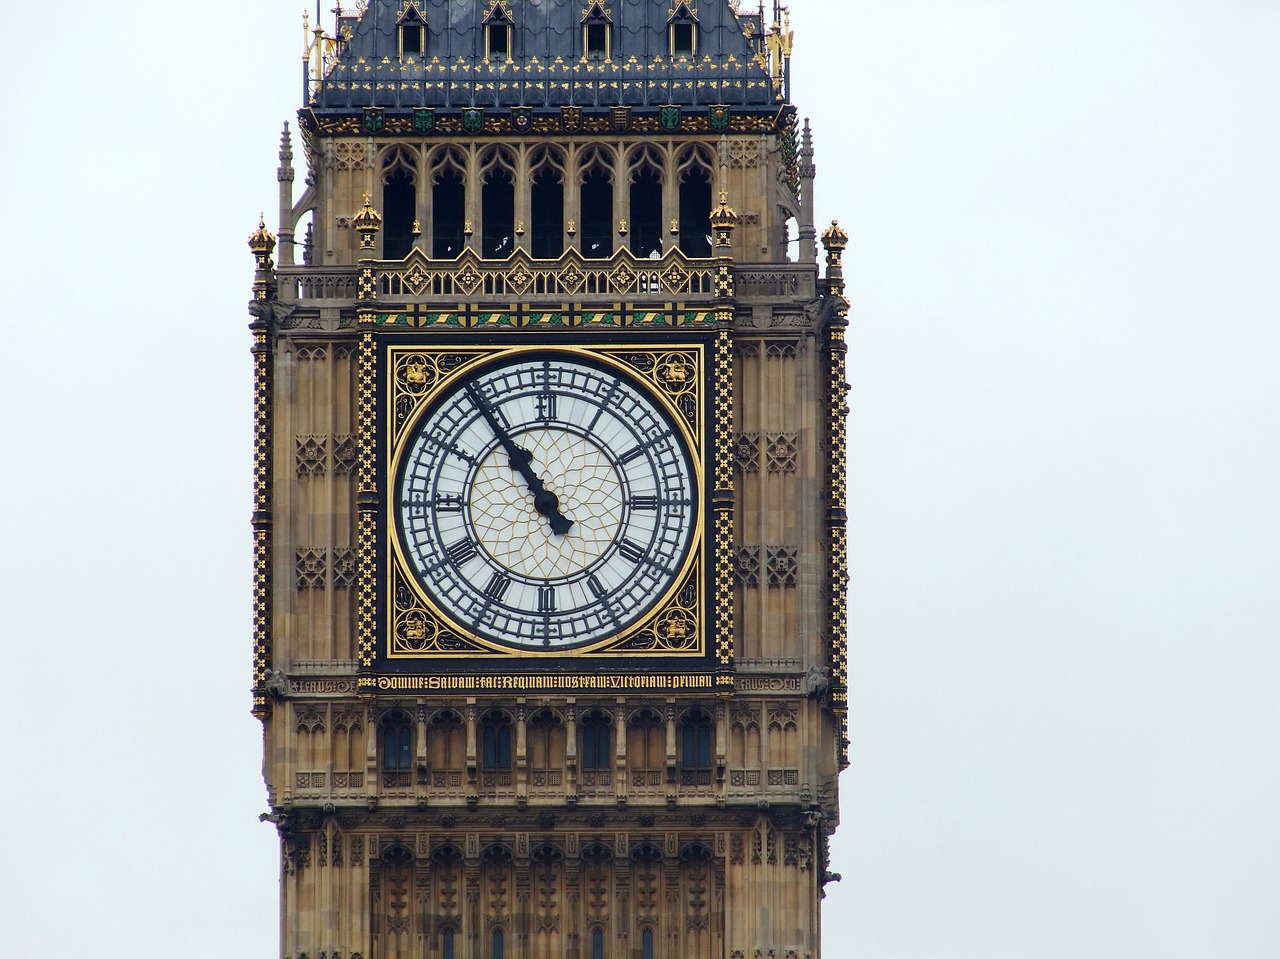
column 397, row 743
column 597, row 943
column 446, row 943
column 547, row 201
column 695, row 741
column 682, row 40
column 497, row 944
column 447, row 202
column 411, row 41
column 597, row 215
column 597, row 742
column 695, row 213
column 646, row 943
column 498, row 215
column 496, row 737
column 499, row 35
column 597, row 42
column 646, row 213
column 399, row 206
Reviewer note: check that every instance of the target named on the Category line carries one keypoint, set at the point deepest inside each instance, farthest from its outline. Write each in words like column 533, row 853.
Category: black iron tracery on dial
column 519, row 458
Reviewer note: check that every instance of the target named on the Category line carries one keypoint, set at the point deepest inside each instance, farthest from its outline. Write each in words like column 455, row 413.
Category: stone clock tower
column 549, row 527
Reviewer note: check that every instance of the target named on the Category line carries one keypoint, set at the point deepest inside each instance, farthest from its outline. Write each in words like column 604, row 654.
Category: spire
column 284, row 174
column 808, row 250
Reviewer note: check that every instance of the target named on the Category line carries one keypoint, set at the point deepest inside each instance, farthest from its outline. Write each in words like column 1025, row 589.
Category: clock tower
column 549, row 528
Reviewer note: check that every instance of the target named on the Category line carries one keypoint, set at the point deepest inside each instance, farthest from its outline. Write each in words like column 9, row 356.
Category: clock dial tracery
column 546, row 502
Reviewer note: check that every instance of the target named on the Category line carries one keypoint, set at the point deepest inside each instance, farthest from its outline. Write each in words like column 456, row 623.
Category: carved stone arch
column 497, row 156
column 547, row 156
column 399, row 157
column 646, row 852
column 695, row 155
column 645, row 716
column 445, row 157
column 745, row 718
column 696, row 850
column 597, row 156
column 645, row 155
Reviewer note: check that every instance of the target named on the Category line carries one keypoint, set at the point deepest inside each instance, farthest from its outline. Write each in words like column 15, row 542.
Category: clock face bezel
column 669, row 624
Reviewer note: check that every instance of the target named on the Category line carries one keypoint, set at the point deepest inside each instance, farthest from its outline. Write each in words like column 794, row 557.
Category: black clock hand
column 544, row 501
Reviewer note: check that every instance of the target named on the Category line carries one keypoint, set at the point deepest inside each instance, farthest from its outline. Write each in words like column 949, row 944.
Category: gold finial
column 368, row 218
column 834, row 239
column 261, row 241
column 417, row 228
column 622, row 227
column 723, row 217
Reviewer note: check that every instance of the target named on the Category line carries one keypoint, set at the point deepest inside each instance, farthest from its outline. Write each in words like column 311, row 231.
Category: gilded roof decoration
column 547, row 67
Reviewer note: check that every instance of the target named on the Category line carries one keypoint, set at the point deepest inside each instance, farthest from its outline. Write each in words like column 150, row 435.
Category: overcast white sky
column 1065, row 350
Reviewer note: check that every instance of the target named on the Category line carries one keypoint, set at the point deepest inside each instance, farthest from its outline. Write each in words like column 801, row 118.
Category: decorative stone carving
column 345, row 454
column 344, row 568
column 781, row 452
column 781, row 566
column 310, row 568
column 747, row 452
column 310, row 455
column 746, row 566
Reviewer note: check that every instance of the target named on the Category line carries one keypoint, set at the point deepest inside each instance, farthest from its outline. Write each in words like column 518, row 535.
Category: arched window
column 448, row 206
column 546, row 202
column 646, row 943
column 496, row 951
column 597, row 943
column 397, row 746
column 399, row 206
column 646, row 204
column 446, row 942
column 498, row 206
column 695, row 740
column 545, row 749
column 445, row 749
column 596, row 729
column 596, row 204
column 645, row 748
column 495, row 735
column 695, row 203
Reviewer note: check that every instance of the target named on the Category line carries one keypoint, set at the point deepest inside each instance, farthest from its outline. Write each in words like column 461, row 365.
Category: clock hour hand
column 520, row 459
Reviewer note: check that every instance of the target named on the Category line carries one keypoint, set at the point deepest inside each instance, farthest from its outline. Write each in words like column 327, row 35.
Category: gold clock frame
column 675, row 376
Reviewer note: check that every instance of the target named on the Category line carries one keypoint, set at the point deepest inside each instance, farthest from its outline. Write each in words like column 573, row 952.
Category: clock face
column 546, row 502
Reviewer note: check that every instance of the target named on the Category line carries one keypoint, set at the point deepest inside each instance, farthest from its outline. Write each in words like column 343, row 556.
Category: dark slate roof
column 547, row 69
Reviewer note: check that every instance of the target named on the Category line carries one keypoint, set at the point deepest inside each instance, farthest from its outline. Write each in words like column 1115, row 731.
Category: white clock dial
column 547, row 502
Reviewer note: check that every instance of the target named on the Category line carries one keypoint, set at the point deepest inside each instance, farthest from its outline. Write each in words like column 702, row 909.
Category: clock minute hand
column 544, row 501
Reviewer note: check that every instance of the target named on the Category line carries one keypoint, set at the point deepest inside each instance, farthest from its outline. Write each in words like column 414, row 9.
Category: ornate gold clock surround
column 683, row 642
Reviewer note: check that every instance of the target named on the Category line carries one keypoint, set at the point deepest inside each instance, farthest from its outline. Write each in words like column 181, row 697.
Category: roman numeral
column 546, row 406
column 644, row 502
column 546, row 599
column 462, row 454
column 633, row 453
column 449, row 503
column 461, row 551
column 594, row 585
column 496, row 588
column 629, row 550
